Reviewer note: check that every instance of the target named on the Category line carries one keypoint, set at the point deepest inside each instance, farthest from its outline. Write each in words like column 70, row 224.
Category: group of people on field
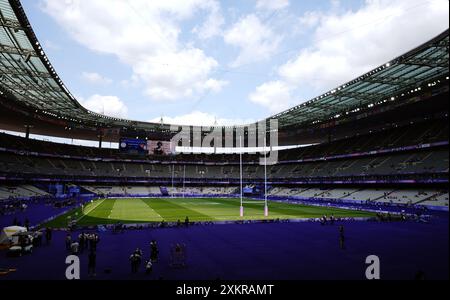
column 137, row 256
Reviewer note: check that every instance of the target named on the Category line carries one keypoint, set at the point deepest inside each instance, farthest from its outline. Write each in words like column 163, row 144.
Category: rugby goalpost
column 242, row 185
column 172, row 192
column 266, row 205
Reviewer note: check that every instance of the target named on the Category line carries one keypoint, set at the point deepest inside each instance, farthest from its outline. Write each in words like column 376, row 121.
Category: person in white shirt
column 74, row 247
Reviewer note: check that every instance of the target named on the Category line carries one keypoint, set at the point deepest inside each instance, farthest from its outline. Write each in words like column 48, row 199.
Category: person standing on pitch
column 68, row 241
column 92, row 261
column 149, row 267
column 135, row 260
column 153, row 251
column 341, row 237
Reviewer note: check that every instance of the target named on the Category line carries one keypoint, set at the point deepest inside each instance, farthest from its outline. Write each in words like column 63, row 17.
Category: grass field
column 133, row 210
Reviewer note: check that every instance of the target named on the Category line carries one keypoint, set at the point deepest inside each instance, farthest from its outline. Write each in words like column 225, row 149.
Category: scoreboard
column 143, row 147
column 133, row 146
column 159, row 148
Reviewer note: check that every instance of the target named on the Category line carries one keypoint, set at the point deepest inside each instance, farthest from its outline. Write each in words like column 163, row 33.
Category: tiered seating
column 143, row 191
column 156, row 190
column 407, row 197
column 219, row 190
column 205, row 191
column 338, row 193
column 106, row 190
column 423, row 162
column 418, row 133
column 422, row 197
column 413, row 134
column 368, row 194
column 21, row 191
column 440, row 199
column 311, row 193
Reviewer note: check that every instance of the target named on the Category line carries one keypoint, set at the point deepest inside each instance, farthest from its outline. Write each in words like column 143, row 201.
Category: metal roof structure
column 385, row 83
column 27, row 77
column 25, row 72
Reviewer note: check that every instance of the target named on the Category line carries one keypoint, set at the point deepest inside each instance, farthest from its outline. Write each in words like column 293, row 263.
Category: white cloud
column 310, row 19
column 348, row 44
column 133, row 82
column 198, row 118
column 171, row 76
column 214, row 85
column 96, row 78
column 144, row 35
column 272, row 4
column 106, row 105
column 274, row 95
column 256, row 41
column 213, row 24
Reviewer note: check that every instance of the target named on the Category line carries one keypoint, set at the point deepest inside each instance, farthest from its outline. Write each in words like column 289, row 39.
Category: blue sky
column 197, row 61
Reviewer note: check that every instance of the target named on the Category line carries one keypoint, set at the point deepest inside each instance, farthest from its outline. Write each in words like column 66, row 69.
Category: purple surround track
column 260, row 251
column 269, row 251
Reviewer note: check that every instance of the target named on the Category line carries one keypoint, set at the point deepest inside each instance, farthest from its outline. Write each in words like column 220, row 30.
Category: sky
column 227, row 62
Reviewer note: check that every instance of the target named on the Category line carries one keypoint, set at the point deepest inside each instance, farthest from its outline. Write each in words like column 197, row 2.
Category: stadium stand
column 439, row 199
column 388, row 127
column 418, row 150
column 367, row 195
column 374, row 151
column 420, row 162
column 149, row 191
column 20, row 192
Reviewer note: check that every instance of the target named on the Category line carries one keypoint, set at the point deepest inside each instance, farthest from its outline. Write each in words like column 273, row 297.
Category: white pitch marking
column 85, row 214
column 154, row 211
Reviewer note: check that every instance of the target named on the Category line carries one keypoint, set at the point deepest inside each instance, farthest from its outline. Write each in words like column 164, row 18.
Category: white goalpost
column 242, row 185
column 184, row 182
column 173, row 184
column 266, row 206
column 266, row 203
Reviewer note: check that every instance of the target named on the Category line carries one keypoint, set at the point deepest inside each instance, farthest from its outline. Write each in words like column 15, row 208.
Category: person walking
column 68, row 242
column 92, row 262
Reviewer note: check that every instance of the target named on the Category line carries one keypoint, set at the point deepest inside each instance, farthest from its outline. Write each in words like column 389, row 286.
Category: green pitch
column 131, row 211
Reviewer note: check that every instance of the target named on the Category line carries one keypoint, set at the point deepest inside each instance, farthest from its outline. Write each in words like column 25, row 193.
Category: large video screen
column 159, row 148
column 133, row 146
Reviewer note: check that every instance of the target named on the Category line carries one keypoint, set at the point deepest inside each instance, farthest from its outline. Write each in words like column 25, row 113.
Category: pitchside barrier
column 155, row 225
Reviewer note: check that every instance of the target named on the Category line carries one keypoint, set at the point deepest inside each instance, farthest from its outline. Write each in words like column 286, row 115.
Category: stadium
column 371, row 178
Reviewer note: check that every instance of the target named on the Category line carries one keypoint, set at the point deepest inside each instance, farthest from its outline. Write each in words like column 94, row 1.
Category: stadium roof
column 27, row 76
column 405, row 73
